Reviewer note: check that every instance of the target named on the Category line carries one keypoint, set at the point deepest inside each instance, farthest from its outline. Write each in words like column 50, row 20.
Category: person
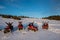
column 30, row 26
column 20, row 26
column 9, row 27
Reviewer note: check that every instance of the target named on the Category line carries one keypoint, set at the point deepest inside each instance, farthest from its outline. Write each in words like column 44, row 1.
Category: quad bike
column 45, row 26
column 33, row 28
column 6, row 30
column 20, row 27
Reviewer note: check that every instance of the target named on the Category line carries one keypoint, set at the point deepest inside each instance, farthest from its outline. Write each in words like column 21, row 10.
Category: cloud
column 2, row 7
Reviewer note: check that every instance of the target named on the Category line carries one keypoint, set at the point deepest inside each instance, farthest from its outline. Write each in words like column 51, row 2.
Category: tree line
column 13, row 17
column 53, row 17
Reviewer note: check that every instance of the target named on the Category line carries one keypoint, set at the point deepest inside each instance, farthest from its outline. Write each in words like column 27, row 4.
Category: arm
column 6, row 23
column 11, row 22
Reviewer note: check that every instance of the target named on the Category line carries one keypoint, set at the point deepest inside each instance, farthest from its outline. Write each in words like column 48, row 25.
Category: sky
column 31, row 8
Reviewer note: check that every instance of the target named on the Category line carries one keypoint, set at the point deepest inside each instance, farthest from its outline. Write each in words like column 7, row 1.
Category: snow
column 53, row 33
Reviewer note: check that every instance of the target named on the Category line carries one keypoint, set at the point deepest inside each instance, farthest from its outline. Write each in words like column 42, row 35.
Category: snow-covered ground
column 53, row 33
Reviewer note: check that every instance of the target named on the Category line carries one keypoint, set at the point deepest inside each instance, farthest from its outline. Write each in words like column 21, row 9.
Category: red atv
column 32, row 27
column 20, row 26
column 7, row 29
column 45, row 26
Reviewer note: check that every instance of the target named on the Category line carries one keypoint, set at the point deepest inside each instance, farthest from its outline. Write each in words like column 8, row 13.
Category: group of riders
column 20, row 27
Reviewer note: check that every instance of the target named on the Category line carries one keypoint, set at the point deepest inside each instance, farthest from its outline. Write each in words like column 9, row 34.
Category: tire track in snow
column 55, row 30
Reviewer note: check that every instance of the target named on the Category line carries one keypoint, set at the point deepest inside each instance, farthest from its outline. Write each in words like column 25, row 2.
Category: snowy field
column 53, row 33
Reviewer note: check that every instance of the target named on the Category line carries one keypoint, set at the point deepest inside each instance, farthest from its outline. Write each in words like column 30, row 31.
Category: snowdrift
column 53, row 33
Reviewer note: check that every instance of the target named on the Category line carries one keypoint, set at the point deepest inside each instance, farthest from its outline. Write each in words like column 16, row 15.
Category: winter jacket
column 20, row 26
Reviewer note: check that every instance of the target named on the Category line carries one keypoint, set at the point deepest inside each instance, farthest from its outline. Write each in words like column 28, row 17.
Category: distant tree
column 13, row 17
column 54, row 17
